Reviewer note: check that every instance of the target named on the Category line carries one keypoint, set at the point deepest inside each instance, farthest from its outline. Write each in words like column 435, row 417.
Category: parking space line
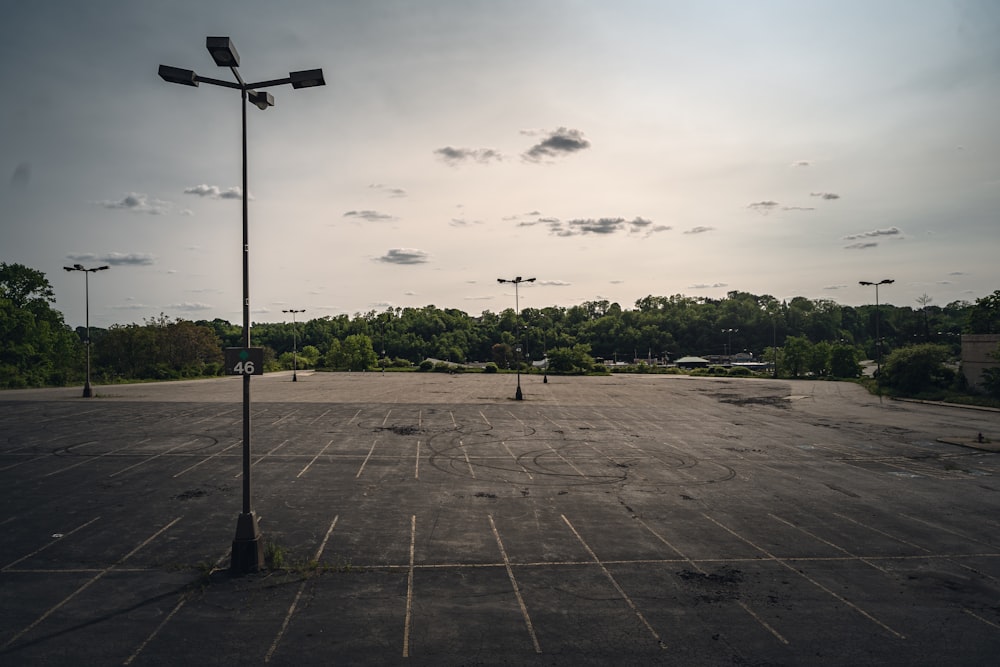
column 386, row 420
column 698, row 568
column 320, row 417
column 805, row 576
column 980, row 618
column 365, row 462
column 54, row 541
column 151, row 458
column 184, row 598
column 409, row 588
column 523, row 469
column 283, row 418
column 298, row 595
column 88, row 584
column 617, row 586
column 308, row 465
column 263, row 456
column 882, row 532
column 465, row 453
column 416, row 464
column 513, row 583
column 485, row 419
column 208, row 458
column 839, row 548
column 21, row 463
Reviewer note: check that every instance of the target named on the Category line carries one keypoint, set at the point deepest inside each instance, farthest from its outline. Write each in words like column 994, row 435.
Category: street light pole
column 878, row 316
column 248, row 547
column 517, row 328
column 295, row 347
column 87, row 389
column 729, row 346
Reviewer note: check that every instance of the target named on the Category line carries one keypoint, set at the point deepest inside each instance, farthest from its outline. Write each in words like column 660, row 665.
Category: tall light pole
column 248, row 548
column 878, row 316
column 295, row 347
column 729, row 346
column 87, row 389
column 517, row 328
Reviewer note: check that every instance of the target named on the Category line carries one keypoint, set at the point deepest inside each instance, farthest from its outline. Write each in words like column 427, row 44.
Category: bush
column 741, row 371
column 490, row 368
column 916, row 368
column 425, row 366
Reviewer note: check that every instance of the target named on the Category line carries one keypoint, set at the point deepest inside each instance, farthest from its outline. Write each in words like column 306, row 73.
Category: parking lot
column 428, row 518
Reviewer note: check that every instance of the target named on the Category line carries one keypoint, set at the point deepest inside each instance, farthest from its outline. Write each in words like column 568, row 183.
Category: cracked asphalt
column 429, row 519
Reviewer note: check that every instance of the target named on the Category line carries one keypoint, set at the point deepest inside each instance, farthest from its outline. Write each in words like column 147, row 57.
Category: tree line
column 816, row 336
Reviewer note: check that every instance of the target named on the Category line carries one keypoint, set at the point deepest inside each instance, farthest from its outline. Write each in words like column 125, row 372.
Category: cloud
column 554, row 283
column 891, row 231
column 563, row 141
column 602, row 226
column 370, row 216
column 802, row 163
column 215, row 192
column 708, row 286
column 21, row 176
column 763, row 207
column 190, row 306
column 454, row 156
column 138, row 202
column 404, row 256
column 392, row 192
column 860, row 246
column 835, row 287
column 798, row 208
column 700, row 229
column 115, row 258
column 462, row 222
column 825, row 195
column 479, row 298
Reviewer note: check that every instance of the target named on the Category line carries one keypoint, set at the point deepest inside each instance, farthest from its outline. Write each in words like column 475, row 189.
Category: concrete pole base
column 248, row 546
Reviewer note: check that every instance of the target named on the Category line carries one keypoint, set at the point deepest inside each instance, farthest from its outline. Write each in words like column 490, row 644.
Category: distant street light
column 295, row 349
column 878, row 316
column 248, row 547
column 87, row 390
column 729, row 346
column 517, row 328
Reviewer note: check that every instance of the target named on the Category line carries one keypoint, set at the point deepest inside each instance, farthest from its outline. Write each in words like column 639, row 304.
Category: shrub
column 740, row 371
column 425, row 366
column 916, row 368
column 490, row 368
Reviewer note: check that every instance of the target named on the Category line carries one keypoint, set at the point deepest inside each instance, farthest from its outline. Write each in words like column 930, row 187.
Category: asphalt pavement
column 430, row 519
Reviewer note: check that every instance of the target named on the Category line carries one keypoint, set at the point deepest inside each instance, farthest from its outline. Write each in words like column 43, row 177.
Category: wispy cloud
column 825, row 195
column 215, row 192
column 600, row 226
column 392, row 192
column 708, row 285
column 557, row 143
column 835, row 287
column 455, row 156
column 861, row 246
column 700, row 229
column 190, row 306
column 798, row 208
column 115, row 258
column 138, row 202
column 764, row 207
column 462, row 222
column 404, row 256
column 891, row 231
column 370, row 216
column 554, row 283
column 21, row 176
column 802, row 163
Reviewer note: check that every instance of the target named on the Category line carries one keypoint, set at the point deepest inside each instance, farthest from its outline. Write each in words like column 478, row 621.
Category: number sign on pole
column 244, row 361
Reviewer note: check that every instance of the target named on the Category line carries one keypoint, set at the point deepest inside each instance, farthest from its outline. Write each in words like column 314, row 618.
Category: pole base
column 295, row 378
column 88, row 391
column 248, row 546
column 518, row 396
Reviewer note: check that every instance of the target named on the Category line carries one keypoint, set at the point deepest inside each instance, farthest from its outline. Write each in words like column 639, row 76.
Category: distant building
column 692, row 362
column 977, row 356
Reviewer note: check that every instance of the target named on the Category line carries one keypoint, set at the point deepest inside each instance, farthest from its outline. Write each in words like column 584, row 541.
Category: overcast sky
column 612, row 150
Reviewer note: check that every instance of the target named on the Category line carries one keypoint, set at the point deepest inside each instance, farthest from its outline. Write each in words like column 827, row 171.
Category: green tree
column 354, row 353
column 574, row 359
column 844, row 361
column 984, row 317
column 916, row 368
column 796, row 355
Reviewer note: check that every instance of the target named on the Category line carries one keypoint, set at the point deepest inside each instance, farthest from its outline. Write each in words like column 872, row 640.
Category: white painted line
column 453, row 421
column 209, row 458
column 386, row 420
column 409, row 589
column 485, row 419
column 465, row 453
column 152, row 458
column 308, row 465
column 805, row 576
column 320, row 417
column 614, row 582
column 517, row 590
column 283, row 418
column 264, row 456
column 184, row 598
column 365, row 462
column 829, row 543
column 87, row 585
column 523, row 469
column 298, row 595
column 53, row 542
column 416, row 465
column 980, row 618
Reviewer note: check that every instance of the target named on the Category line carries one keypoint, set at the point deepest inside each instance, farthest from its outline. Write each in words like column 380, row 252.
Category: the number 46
column 243, row 368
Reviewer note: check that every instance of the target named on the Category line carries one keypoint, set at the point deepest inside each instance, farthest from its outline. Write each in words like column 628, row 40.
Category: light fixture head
column 223, row 51
column 309, row 78
column 261, row 99
column 185, row 77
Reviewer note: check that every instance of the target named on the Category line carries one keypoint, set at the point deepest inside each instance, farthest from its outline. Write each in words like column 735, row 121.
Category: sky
column 610, row 150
